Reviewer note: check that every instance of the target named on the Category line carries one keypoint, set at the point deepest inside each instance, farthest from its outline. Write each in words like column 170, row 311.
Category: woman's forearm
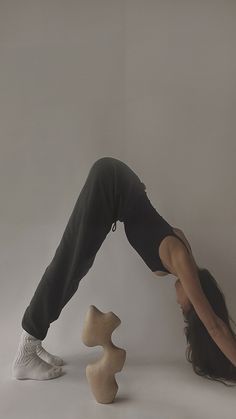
column 224, row 339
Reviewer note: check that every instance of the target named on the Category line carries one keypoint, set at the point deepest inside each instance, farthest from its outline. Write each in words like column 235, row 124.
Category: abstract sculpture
column 97, row 330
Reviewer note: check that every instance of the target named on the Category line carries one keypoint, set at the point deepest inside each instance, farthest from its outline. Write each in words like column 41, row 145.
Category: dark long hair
column 206, row 357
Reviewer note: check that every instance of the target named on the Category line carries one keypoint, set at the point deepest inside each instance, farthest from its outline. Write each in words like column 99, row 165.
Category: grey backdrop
column 151, row 83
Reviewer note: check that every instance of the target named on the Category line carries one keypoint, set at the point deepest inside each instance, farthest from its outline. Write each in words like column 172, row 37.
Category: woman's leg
column 107, row 196
column 86, row 229
column 88, row 225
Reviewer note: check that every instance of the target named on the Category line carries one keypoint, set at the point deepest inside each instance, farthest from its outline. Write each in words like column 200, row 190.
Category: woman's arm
column 215, row 326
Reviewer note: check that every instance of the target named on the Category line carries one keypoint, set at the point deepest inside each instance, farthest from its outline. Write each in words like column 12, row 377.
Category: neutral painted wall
column 151, row 83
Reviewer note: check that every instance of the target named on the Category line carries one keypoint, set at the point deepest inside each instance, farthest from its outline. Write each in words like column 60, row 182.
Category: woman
column 112, row 192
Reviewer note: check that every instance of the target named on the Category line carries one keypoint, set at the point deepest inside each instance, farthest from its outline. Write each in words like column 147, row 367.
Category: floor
column 146, row 391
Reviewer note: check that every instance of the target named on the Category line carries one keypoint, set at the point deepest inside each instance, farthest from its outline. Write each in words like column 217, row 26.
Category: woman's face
column 182, row 298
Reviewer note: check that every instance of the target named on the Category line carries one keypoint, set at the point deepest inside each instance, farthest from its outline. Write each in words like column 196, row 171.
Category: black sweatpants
column 108, row 195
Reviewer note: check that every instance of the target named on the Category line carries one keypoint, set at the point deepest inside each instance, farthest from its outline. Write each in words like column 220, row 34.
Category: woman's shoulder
column 181, row 234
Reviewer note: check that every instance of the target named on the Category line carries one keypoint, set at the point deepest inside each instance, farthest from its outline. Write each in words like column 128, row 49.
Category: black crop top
column 145, row 229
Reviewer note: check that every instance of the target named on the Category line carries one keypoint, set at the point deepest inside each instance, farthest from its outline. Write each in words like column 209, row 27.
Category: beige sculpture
column 97, row 330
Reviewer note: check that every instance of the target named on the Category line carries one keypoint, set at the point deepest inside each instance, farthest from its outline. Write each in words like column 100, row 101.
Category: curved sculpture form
column 97, row 330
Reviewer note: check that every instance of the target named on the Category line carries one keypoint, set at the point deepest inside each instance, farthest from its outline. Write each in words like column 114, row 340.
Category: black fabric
column 105, row 198
column 145, row 228
column 112, row 192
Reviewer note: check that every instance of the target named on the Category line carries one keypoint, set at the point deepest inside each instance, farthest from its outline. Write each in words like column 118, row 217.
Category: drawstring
column 115, row 217
column 114, row 226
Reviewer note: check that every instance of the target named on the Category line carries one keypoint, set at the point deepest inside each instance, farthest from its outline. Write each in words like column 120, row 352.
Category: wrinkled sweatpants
column 108, row 195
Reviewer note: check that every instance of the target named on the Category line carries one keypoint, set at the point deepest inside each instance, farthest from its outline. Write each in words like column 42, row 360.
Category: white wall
column 151, row 83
